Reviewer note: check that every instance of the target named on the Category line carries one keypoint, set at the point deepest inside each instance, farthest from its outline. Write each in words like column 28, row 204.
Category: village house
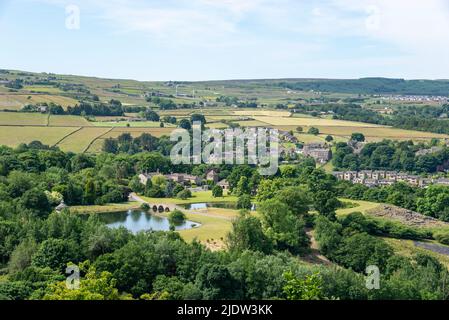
column 387, row 178
column 288, row 137
column 224, row 184
column 284, row 152
column 320, row 152
column 181, row 178
column 423, row 152
column 212, row 175
column 356, row 146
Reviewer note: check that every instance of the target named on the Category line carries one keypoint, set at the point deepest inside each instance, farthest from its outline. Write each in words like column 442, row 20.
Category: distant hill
column 371, row 86
column 346, row 86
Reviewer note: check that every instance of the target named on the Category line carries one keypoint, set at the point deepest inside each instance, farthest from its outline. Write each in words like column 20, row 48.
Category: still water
column 140, row 220
column 224, row 205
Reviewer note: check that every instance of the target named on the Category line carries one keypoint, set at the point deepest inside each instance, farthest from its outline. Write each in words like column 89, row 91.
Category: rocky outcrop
column 405, row 216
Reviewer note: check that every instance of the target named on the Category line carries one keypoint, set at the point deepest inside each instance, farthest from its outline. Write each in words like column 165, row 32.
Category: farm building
column 321, row 153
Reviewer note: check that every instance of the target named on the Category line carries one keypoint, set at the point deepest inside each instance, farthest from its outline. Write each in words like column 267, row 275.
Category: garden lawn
column 212, row 232
column 13, row 136
column 198, row 197
column 361, row 206
column 113, row 207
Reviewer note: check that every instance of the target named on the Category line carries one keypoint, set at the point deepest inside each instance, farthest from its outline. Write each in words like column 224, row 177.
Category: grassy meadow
column 80, row 140
column 12, row 136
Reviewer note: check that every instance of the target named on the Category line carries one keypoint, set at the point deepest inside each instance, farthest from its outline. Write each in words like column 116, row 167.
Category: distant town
column 388, row 178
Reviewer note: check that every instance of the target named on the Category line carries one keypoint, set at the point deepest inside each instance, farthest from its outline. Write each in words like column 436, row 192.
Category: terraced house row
column 387, row 178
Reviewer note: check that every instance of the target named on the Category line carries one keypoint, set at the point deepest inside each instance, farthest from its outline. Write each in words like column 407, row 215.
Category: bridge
column 156, row 207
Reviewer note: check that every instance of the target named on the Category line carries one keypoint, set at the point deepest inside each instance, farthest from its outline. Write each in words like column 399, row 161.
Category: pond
column 206, row 205
column 140, row 220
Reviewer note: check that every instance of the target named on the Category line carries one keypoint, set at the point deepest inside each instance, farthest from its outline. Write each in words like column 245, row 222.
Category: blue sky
column 227, row 39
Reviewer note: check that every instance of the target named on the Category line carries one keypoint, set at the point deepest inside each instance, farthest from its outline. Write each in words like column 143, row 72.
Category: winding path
column 437, row 248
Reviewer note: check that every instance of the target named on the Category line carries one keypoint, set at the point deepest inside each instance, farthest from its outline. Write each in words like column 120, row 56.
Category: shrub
column 184, row 194
column 244, row 202
column 176, row 217
column 217, row 192
column 442, row 237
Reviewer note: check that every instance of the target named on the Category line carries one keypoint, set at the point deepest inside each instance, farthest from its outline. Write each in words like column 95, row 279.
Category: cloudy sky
column 227, row 39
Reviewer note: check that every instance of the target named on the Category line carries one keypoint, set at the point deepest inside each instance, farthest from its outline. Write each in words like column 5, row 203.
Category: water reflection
column 139, row 220
column 221, row 205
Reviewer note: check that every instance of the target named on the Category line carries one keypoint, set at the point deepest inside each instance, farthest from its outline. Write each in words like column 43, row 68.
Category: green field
column 133, row 124
column 132, row 93
column 42, row 89
column 23, row 119
column 79, row 141
column 13, row 136
column 15, row 101
column 68, row 121
column 359, row 206
column 213, row 229
column 109, row 208
column 198, row 197
column 309, row 122
column 217, row 125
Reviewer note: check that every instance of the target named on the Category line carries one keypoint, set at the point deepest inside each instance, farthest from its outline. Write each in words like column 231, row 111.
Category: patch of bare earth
column 214, row 245
column 405, row 216
column 315, row 256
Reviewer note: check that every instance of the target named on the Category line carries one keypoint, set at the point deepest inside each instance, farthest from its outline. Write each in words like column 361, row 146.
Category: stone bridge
column 156, row 207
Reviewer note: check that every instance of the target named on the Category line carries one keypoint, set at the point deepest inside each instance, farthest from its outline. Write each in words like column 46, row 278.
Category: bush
column 244, row 202
column 155, row 192
column 176, row 217
column 217, row 192
column 442, row 237
column 184, row 194
column 380, row 227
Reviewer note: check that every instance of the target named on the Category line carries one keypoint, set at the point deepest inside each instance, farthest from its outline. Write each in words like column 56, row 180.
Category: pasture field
column 135, row 132
column 309, row 122
column 176, row 113
column 23, row 119
column 361, row 206
column 80, row 140
column 113, row 207
column 13, row 136
column 68, row 121
column 112, row 118
column 12, row 101
column 227, row 118
column 96, row 146
column 198, row 197
column 252, row 123
column 134, row 124
column 212, row 232
column 263, row 113
column 216, row 112
column 43, row 89
column 380, row 133
column 372, row 134
column 217, row 125
column 310, row 138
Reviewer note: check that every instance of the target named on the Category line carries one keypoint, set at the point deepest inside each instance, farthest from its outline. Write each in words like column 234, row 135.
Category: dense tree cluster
column 372, row 86
column 125, row 143
column 263, row 260
column 432, row 201
column 348, row 243
column 113, row 108
column 389, row 155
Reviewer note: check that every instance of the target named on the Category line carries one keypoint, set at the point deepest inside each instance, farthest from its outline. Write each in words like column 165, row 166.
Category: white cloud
column 390, row 36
